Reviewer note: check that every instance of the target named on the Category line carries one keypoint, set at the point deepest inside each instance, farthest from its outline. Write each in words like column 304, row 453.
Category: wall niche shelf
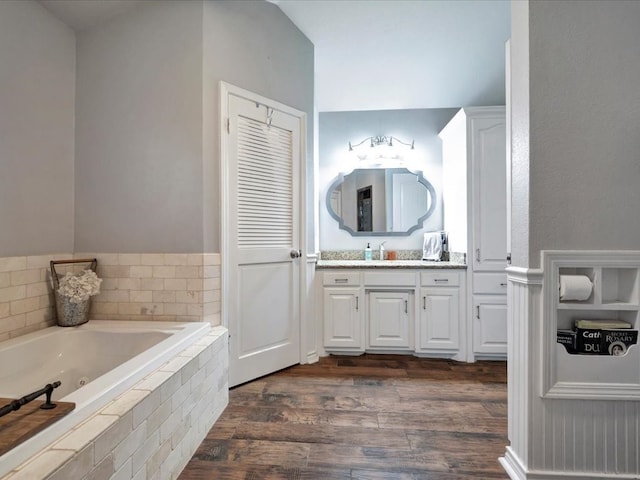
column 615, row 296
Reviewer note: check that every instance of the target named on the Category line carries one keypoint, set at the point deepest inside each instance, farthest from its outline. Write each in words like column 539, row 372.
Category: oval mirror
column 381, row 201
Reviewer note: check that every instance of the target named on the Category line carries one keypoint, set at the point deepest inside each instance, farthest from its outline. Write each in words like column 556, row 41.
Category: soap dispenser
column 367, row 252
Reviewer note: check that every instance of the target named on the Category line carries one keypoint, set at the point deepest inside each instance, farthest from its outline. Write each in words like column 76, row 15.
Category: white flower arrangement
column 79, row 287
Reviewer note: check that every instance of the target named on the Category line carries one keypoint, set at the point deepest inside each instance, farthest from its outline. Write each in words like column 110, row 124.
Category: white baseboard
column 313, row 357
column 512, row 465
column 516, row 471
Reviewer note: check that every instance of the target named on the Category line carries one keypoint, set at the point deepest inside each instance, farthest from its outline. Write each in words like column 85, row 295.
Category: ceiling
column 82, row 14
column 380, row 54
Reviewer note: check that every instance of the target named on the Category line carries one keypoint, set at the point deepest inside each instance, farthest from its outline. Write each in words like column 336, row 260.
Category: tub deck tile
column 153, row 381
column 42, row 465
column 79, row 468
column 86, row 432
column 111, row 437
column 175, row 364
column 146, row 407
column 125, row 402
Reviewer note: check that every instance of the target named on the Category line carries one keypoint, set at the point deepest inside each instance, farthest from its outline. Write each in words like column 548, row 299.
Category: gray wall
column 252, row 45
column 139, row 132
column 337, row 129
column 37, row 87
column 584, row 120
column 520, row 133
column 147, row 156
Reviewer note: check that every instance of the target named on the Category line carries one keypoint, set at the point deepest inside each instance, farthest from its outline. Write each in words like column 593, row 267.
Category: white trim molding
column 523, row 304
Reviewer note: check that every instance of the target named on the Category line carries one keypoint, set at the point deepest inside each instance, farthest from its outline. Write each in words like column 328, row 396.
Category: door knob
column 295, row 253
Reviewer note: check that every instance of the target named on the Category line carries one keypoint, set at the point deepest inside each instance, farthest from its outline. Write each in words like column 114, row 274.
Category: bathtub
column 95, row 362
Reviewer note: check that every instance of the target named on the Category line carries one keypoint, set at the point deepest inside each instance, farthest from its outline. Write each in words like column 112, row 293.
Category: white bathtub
column 95, row 362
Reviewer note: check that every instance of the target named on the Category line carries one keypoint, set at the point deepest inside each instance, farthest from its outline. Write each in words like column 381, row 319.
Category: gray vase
column 71, row 314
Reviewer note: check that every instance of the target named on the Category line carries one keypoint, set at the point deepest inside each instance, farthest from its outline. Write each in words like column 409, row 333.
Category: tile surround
column 160, row 287
column 150, row 431
column 26, row 298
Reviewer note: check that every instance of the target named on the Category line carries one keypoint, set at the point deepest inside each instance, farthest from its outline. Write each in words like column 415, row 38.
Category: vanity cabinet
column 404, row 311
column 343, row 313
column 438, row 328
column 389, row 315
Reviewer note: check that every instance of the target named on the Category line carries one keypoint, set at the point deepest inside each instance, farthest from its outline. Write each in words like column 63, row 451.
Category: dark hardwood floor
column 371, row 417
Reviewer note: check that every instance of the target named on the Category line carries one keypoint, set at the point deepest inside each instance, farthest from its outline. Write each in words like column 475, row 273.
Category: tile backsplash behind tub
column 166, row 287
column 26, row 298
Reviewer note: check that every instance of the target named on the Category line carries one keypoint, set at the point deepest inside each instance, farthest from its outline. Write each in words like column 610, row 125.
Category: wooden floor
column 371, row 417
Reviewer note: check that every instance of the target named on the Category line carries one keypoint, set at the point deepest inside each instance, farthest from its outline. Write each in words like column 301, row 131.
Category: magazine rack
column 616, row 285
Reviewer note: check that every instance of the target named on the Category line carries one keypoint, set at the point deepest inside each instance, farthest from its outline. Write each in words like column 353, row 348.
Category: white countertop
column 387, row 264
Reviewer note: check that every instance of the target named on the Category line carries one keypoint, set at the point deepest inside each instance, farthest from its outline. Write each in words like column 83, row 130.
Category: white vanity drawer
column 491, row 283
column 440, row 278
column 389, row 279
column 341, row 278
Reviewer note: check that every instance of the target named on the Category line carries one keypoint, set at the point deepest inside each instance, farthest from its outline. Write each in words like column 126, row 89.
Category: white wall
column 253, row 45
column 585, row 115
column 139, row 132
column 37, row 88
column 337, row 129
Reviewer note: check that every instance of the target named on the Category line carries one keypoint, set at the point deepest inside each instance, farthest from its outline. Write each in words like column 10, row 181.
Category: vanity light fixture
column 381, row 140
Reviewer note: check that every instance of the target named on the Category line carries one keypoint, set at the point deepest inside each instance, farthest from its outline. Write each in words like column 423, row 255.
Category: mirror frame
column 419, row 222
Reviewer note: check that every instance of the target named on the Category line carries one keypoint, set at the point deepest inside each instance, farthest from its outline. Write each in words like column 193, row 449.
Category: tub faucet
column 381, row 248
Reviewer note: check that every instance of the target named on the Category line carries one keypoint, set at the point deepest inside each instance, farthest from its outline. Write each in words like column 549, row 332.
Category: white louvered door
column 264, row 239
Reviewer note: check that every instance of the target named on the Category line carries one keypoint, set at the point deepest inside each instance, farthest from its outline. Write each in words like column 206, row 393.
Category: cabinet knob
column 357, row 302
column 406, row 306
column 424, row 303
column 478, row 312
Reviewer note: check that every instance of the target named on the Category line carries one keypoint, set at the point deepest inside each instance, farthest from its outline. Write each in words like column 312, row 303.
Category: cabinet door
column 489, row 211
column 343, row 326
column 389, row 320
column 439, row 327
column 490, row 324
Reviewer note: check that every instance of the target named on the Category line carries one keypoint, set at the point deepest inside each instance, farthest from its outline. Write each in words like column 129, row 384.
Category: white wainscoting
column 559, row 438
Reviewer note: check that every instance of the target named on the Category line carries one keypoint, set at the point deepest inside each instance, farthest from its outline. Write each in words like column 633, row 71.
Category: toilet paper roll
column 575, row 287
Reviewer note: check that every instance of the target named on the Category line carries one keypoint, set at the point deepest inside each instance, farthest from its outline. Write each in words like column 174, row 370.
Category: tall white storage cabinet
column 475, row 216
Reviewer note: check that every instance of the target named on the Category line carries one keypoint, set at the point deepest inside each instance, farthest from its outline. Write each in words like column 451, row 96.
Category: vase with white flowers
column 73, row 291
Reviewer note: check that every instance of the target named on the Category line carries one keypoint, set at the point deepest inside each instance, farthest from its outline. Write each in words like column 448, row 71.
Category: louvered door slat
column 265, row 175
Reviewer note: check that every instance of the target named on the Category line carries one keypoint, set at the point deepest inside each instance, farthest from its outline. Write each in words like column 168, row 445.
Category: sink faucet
column 382, row 250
